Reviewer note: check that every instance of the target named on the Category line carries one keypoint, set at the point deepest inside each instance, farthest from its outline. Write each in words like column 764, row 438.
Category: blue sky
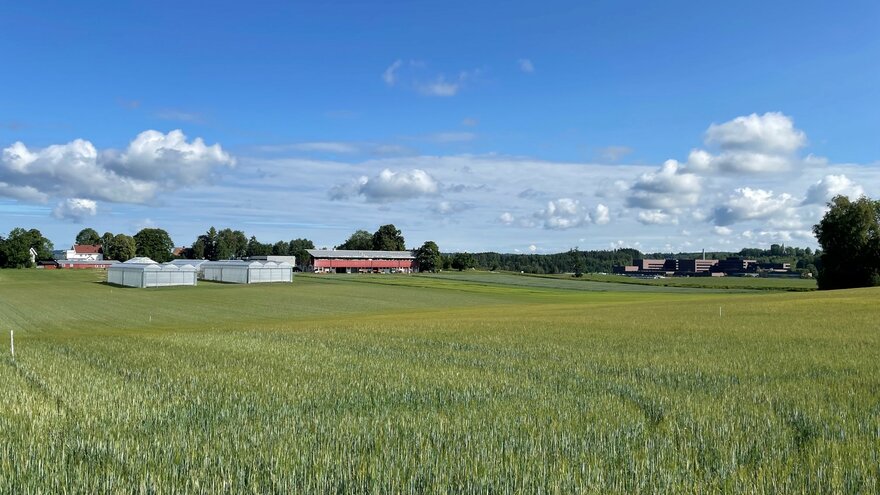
column 506, row 126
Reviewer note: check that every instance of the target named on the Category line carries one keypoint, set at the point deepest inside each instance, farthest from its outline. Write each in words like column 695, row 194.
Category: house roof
column 87, row 248
column 356, row 254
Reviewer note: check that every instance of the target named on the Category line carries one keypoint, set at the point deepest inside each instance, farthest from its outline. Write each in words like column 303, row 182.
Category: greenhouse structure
column 197, row 264
column 144, row 272
column 246, row 272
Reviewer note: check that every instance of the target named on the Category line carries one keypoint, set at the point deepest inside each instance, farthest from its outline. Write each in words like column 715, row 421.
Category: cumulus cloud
column 772, row 132
column 600, row 215
column 830, row 186
column 525, row 65
column 507, row 218
column 79, row 174
column 755, row 204
column 167, row 158
column 724, row 231
column 567, row 213
column 752, row 144
column 655, row 217
column 665, row 188
column 75, row 209
column 388, row 186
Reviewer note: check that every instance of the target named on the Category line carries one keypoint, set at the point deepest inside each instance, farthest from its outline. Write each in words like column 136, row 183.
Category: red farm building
column 354, row 261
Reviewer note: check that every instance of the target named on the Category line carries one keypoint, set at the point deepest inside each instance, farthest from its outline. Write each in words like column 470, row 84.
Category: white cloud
column 725, row 231
column 78, row 174
column 470, row 122
column 830, row 186
column 167, row 158
column 655, row 217
column 600, row 215
column 665, row 188
column 506, row 218
column 390, row 74
column 75, row 209
column 388, row 186
column 533, row 248
column 754, row 204
column 567, row 213
column 752, row 144
column 772, row 132
column 526, row 65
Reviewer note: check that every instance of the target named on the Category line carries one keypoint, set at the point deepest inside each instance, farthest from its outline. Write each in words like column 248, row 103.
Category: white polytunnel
column 144, row 272
column 246, row 272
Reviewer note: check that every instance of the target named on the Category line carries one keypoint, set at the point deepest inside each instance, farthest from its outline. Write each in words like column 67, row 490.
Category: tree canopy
column 154, row 244
column 297, row 248
column 849, row 234
column 120, row 248
column 428, row 257
column 463, row 261
column 361, row 240
column 88, row 236
column 388, row 238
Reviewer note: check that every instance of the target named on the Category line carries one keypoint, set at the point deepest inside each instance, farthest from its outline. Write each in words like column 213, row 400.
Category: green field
column 462, row 383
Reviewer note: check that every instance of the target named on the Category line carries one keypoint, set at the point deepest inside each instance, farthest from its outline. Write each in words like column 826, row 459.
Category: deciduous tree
column 388, row 238
column 88, row 236
column 428, row 257
column 154, row 244
column 849, row 234
column 361, row 240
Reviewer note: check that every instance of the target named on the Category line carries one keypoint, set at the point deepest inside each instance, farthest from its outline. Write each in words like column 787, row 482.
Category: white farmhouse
column 80, row 252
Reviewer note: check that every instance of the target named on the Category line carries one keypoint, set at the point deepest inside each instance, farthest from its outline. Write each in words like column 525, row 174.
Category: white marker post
column 719, row 311
column 12, row 344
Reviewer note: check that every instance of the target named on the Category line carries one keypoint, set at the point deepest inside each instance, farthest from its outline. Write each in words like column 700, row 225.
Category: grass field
column 464, row 383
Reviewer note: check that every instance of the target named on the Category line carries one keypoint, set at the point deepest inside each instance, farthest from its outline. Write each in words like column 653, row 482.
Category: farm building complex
column 144, row 272
column 700, row 267
column 246, row 272
column 354, row 261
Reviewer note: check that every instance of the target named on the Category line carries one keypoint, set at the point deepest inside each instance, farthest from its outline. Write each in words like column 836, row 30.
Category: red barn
column 354, row 261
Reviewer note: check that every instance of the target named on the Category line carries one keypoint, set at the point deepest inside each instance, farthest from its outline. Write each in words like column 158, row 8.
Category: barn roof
column 87, row 248
column 357, row 254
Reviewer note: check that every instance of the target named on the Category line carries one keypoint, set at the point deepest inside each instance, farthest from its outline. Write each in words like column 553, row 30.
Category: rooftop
column 356, row 254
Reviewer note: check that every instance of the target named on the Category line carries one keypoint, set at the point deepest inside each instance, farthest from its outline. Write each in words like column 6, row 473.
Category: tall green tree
column 205, row 246
column 154, row 244
column 361, row 240
column 849, row 234
column 106, row 240
column 88, row 236
column 121, row 248
column 298, row 247
column 428, row 257
column 388, row 238
column 463, row 261
column 257, row 248
column 231, row 244
column 280, row 248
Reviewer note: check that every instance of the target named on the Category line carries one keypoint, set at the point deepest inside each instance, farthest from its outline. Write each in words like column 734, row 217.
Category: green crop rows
column 477, row 383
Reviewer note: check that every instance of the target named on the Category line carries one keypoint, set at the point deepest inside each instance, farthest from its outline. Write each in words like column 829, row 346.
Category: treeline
column 567, row 262
column 576, row 261
column 228, row 244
